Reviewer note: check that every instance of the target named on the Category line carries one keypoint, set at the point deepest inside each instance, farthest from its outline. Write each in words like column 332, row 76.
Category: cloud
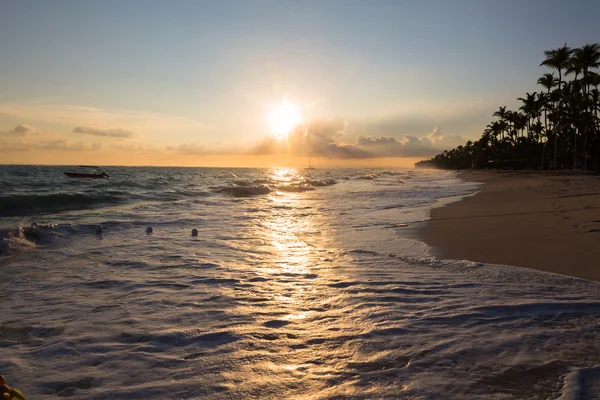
column 369, row 141
column 134, row 147
column 66, row 116
column 20, row 130
column 113, row 132
column 331, row 138
column 205, row 149
column 53, row 144
column 411, row 145
column 326, row 139
column 24, row 137
column 8, row 146
column 67, row 145
column 436, row 134
column 321, row 138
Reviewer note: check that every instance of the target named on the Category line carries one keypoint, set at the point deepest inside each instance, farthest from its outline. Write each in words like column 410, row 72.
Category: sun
column 283, row 119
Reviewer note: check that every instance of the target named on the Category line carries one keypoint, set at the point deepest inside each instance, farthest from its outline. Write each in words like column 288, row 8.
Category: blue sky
column 206, row 73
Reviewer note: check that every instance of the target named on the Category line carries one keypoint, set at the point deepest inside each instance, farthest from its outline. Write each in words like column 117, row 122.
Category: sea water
column 301, row 284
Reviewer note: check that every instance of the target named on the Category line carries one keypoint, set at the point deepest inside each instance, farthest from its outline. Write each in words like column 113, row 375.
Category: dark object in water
column 96, row 173
column 80, row 175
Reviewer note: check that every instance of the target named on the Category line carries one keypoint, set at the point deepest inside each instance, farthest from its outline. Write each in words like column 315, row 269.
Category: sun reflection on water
column 284, row 174
column 287, row 225
column 297, row 338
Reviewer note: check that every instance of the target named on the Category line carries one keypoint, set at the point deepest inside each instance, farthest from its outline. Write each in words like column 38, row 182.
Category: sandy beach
column 542, row 221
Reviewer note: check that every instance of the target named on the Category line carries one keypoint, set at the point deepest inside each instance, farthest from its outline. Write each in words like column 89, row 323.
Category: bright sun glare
column 283, row 119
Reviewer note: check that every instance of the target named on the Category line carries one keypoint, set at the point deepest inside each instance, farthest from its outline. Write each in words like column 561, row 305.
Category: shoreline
column 541, row 221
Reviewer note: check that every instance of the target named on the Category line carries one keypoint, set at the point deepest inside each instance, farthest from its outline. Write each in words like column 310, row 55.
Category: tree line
column 555, row 128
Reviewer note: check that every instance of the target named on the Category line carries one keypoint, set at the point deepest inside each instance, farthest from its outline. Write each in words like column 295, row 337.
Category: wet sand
column 542, row 221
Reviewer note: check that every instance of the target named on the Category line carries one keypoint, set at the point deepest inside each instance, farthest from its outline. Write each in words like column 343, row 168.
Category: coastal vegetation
column 555, row 128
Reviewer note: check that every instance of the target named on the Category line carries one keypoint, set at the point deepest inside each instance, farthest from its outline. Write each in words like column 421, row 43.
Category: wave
column 27, row 204
column 140, row 184
column 258, row 187
column 374, row 175
column 368, row 177
column 391, row 173
column 245, row 191
column 295, row 187
column 323, row 182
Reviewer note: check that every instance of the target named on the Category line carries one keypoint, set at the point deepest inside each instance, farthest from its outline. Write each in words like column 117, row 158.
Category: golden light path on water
column 300, row 321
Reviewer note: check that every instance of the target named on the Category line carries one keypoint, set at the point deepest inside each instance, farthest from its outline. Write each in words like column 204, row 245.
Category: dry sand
column 542, row 221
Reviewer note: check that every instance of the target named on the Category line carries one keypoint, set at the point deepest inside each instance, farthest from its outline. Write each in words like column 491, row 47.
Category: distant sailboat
column 306, row 135
column 309, row 166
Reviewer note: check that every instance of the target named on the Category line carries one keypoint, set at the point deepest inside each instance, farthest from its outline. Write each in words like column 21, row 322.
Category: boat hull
column 90, row 176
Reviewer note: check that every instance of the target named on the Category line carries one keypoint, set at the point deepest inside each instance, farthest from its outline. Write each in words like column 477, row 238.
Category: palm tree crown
column 558, row 59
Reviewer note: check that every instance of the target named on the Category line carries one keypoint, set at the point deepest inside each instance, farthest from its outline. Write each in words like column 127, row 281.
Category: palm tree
column 558, row 59
column 587, row 57
column 548, row 81
column 593, row 79
column 530, row 107
column 502, row 115
column 571, row 117
column 574, row 67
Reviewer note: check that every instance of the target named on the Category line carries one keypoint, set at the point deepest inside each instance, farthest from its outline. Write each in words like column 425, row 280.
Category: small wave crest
column 391, row 173
column 242, row 188
column 245, row 191
column 368, row 177
column 295, row 187
column 371, row 176
column 322, row 182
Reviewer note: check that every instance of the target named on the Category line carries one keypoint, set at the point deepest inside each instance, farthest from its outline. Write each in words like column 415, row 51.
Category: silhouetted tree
column 570, row 107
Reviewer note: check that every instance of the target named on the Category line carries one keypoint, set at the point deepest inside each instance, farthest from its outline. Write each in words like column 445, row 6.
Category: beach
column 544, row 221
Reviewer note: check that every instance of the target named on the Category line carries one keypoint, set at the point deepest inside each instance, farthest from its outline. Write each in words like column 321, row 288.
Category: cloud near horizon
column 112, row 132
column 325, row 139
column 24, row 137
column 20, row 130
column 206, row 149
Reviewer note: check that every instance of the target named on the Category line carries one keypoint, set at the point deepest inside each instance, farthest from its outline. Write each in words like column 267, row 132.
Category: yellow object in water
column 16, row 395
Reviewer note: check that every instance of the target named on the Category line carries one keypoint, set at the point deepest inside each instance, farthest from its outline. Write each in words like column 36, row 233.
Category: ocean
column 301, row 284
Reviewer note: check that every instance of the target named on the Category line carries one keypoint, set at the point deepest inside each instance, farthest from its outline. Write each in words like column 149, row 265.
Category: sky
column 143, row 82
